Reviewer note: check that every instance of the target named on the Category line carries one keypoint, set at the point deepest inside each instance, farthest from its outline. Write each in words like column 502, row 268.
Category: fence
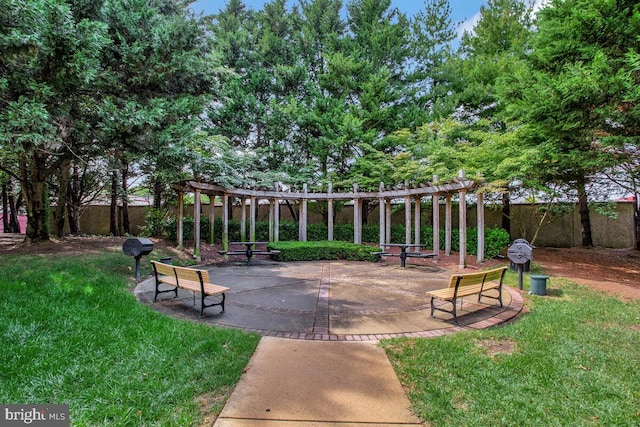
column 565, row 231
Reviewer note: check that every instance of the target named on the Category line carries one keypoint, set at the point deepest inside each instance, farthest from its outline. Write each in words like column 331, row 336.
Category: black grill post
column 519, row 253
column 137, row 247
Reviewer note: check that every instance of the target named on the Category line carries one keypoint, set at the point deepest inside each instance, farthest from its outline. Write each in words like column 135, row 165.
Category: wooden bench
column 461, row 285
column 191, row 279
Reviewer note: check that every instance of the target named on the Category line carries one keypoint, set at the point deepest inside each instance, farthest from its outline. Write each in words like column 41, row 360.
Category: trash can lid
column 539, row 276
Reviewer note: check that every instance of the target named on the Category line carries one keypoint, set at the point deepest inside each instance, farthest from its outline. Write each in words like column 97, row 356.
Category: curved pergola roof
column 460, row 186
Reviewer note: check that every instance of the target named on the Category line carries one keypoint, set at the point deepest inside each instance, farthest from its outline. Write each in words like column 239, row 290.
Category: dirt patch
column 616, row 271
column 495, row 347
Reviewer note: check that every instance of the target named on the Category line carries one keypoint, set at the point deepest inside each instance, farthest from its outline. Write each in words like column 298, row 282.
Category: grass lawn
column 572, row 360
column 73, row 333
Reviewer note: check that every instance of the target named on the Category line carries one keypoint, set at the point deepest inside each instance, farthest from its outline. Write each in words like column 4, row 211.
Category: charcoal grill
column 137, row 247
column 520, row 252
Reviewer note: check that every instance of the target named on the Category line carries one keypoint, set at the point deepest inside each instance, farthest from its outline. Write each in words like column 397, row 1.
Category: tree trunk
column 364, row 212
column 292, row 211
column 125, row 199
column 63, row 190
column 10, row 223
column 33, row 186
column 74, row 219
column 14, row 208
column 636, row 220
column 506, row 212
column 74, row 197
column 585, row 221
column 158, row 190
column 113, row 217
column 5, row 209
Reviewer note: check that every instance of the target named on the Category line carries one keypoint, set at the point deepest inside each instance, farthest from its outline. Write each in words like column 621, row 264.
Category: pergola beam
column 460, row 184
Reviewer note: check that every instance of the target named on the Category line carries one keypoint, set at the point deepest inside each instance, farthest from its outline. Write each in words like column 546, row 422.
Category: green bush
column 322, row 250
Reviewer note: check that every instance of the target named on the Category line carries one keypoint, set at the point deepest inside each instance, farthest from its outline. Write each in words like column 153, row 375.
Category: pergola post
column 435, row 201
column 180, row 225
column 447, row 225
column 480, row 215
column 196, row 224
column 436, row 223
column 225, row 222
column 407, row 217
column 463, row 228
column 302, row 226
column 243, row 219
column 382, row 208
column 252, row 219
column 276, row 216
column 271, row 209
column 330, row 213
column 357, row 216
column 417, row 213
column 387, row 218
column 212, row 219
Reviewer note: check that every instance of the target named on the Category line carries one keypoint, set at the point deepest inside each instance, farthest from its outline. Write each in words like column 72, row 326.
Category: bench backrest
column 497, row 274
column 184, row 273
column 192, row 274
column 478, row 278
column 163, row 269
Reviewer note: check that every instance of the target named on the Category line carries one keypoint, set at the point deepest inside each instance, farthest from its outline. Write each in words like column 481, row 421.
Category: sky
column 464, row 12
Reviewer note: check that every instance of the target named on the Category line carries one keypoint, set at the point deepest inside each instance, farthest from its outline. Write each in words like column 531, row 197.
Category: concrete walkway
column 333, row 373
column 292, row 383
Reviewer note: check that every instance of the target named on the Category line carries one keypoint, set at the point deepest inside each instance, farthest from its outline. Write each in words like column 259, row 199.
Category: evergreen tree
column 576, row 73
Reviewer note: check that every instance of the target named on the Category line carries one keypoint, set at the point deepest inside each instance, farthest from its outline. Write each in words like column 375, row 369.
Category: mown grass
column 571, row 360
column 73, row 333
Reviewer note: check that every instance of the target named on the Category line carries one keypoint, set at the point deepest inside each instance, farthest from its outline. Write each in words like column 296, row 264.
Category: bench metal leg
column 432, row 309
column 452, row 311
column 158, row 291
column 204, row 305
column 499, row 297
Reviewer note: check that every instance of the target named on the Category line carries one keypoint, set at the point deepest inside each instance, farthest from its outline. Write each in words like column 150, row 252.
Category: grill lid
column 520, row 252
column 137, row 246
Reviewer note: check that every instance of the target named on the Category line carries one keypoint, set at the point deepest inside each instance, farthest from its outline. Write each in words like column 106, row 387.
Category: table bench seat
column 404, row 255
column 190, row 279
column 252, row 252
column 420, row 255
column 249, row 252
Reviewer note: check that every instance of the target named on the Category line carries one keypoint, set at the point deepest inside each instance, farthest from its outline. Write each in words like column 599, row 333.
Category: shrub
column 322, row 250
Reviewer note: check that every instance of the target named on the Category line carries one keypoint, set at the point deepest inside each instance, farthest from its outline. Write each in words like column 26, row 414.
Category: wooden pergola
column 460, row 185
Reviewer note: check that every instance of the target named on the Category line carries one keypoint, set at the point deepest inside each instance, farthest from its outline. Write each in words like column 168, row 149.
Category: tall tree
column 50, row 57
column 494, row 48
column 430, row 72
column 158, row 76
column 574, row 69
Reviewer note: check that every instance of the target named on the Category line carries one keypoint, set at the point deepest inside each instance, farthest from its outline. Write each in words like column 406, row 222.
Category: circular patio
column 333, row 300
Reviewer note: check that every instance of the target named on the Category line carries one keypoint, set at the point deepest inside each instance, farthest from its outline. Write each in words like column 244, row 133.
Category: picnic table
column 404, row 254
column 250, row 250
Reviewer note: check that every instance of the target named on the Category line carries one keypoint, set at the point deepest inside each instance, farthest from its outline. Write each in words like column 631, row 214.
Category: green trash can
column 538, row 284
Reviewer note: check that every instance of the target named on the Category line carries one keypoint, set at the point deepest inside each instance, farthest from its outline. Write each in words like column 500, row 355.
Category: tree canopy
column 322, row 90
